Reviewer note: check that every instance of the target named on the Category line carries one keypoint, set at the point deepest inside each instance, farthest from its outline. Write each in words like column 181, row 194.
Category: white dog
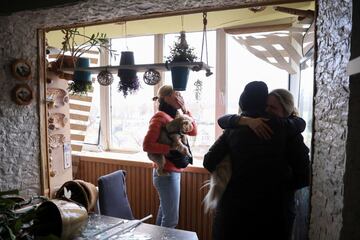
column 217, row 184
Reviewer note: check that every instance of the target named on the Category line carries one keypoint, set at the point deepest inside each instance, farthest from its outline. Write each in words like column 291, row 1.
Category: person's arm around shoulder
column 294, row 125
column 258, row 125
column 229, row 121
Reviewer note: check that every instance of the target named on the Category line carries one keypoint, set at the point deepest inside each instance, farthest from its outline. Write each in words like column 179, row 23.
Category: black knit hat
column 253, row 99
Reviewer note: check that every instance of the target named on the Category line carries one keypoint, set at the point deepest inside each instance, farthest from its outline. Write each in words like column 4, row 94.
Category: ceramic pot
column 82, row 76
column 127, row 58
column 61, row 218
column 179, row 76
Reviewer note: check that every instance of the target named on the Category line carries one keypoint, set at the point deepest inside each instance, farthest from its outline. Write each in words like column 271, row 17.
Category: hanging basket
column 129, row 82
column 82, row 82
column 82, row 75
column 127, row 58
column 179, row 76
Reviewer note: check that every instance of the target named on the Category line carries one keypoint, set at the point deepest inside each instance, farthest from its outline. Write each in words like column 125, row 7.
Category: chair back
column 113, row 200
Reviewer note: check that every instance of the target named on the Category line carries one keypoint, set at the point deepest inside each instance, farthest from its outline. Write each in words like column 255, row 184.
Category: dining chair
column 113, row 200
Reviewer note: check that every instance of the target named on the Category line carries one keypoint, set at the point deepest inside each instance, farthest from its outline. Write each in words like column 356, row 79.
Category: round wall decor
column 152, row 77
column 21, row 69
column 22, row 94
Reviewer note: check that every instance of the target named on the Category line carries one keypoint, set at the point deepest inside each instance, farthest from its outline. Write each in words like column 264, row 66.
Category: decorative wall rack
column 195, row 66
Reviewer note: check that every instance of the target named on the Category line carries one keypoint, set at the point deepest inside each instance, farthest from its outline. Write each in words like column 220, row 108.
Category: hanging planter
column 76, row 48
column 82, row 82
column 180, row 52
column 179, row 78
column 129, row 82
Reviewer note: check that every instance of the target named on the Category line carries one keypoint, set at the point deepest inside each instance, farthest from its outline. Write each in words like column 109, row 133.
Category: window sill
column 139, row 158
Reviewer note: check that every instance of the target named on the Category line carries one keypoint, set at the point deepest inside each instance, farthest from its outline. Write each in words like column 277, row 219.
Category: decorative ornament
column 56, row 97
column 22, row 94
column 152, row 77
column 21, row 69
column 105, row 78
column 198, row 89
column 67, row 193
column 56, row 140
column 57, row 121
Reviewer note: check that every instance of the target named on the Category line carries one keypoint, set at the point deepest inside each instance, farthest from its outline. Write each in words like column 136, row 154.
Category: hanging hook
column 125, row 28
column 204, row 41
column 182, row 23
column 205, row 19
column 84, row 34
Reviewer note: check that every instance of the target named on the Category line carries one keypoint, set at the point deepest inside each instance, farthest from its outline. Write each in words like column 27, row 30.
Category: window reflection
column 306, row 93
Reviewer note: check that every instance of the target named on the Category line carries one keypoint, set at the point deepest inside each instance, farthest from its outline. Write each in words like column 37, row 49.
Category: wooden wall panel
column 143, row 197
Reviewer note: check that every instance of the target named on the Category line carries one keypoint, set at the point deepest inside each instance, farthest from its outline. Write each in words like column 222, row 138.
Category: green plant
column 16, row 222
column 75, row 44
column 76, row 49
column 80, row 87
column 180, row 51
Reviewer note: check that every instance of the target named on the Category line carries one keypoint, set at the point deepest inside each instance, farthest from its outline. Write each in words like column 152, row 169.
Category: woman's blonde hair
column 286, row 100
column 165, row 90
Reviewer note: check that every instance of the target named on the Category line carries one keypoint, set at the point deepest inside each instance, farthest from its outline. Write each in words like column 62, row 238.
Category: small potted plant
column 75, row 49
column 81, row 79
column 180, row 52
column 129, row 82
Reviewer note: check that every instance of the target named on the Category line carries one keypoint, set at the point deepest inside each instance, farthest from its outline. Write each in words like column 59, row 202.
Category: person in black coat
column 251, row 206
column 280, row 103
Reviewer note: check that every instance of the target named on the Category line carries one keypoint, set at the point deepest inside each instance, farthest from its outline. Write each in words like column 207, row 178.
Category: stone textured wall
column 331, row 114
column 19, row 125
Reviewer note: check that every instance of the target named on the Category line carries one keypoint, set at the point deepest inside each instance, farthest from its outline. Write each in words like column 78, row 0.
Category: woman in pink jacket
column 168, row 186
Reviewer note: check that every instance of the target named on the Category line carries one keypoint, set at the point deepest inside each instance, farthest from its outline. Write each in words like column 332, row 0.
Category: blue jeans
column 168, row 188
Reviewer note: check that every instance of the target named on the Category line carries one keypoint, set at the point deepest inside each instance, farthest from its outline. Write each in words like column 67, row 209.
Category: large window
column 127, row 118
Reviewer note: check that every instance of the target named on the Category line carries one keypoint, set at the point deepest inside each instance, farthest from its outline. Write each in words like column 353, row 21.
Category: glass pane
column 243, row 67
column 92, row 131
column 306, row 97
column 130, row 115
column 202, row 108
